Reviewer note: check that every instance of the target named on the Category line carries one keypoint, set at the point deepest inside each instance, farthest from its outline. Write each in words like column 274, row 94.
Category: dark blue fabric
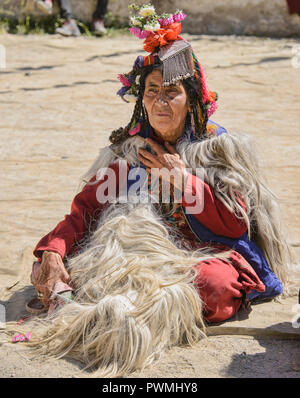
column 147, row 133
column 249, row 250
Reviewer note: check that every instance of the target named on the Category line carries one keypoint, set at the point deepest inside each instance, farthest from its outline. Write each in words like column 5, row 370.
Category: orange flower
column 211, row 96
column 162, row 37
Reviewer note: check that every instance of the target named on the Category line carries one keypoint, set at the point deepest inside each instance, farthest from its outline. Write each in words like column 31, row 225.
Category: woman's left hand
column 165, row 163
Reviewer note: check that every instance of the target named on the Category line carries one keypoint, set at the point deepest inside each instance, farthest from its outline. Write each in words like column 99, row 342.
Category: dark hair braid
column 121, row 134
column 193, row 91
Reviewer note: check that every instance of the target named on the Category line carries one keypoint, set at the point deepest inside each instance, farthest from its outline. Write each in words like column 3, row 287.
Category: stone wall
column 240, row 17
column 220, row 17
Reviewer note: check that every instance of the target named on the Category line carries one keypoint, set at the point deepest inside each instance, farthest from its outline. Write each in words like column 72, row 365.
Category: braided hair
column 198, row 109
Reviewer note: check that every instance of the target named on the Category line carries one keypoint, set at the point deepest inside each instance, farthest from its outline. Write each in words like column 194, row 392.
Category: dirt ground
column 58, row 106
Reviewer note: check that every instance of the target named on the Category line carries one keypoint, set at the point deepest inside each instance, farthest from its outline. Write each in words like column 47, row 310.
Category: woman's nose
column 161, row 97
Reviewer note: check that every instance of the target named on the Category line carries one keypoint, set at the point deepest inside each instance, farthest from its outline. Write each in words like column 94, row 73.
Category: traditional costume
column 150, row 275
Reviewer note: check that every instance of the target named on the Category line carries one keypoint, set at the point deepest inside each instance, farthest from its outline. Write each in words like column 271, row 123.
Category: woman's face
column 166, row 106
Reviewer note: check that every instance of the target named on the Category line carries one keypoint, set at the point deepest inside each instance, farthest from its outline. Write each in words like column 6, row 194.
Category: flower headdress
column 161, row 39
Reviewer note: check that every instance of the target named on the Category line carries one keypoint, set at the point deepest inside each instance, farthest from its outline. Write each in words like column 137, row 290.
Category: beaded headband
column 161, row 39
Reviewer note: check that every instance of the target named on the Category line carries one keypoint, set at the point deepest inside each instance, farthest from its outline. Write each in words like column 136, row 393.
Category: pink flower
column 180, row 16
column 124, row 80
column 166, row 21
column 144, row 34
column 135, row 130
column 212, row 109
column 141, row 34
column 135, row 31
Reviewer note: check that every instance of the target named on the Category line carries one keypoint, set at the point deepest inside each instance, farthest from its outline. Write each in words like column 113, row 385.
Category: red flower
column 162, row 37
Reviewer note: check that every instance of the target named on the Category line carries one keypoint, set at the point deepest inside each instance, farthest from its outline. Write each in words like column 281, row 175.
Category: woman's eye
column 172, row 93
column 152, row 91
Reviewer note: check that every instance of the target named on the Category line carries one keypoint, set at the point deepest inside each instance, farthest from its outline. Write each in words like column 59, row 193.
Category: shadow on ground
column 279, row 360
column 15, row 306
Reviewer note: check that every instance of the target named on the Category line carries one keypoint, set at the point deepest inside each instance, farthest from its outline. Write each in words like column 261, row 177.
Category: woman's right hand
column 51, row 271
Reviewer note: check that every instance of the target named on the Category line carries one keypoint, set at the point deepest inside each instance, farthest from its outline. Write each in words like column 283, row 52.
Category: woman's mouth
column 161, row 114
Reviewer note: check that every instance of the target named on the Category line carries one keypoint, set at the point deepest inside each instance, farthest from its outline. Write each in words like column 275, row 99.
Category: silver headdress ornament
column 177, row 60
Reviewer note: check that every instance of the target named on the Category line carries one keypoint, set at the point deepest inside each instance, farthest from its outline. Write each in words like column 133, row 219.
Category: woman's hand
column 167, row 163
column 51, row 271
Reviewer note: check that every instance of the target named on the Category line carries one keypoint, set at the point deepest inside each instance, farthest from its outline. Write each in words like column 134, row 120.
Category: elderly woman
column 149, row 273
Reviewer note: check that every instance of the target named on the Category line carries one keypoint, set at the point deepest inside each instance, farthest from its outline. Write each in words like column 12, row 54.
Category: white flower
column 135, row 22
column 152, row 27
column 130, row 97
column 147, row 11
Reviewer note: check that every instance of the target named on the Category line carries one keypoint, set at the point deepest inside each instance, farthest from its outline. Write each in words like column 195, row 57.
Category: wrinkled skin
column 52, row 270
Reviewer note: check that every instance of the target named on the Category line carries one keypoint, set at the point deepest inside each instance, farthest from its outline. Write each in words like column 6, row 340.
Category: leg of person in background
column 70, row 27
column 98, row 17
column 44, row 5
column 293, row 6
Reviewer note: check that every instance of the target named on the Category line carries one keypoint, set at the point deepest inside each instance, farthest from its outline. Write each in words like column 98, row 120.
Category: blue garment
column 249, row 250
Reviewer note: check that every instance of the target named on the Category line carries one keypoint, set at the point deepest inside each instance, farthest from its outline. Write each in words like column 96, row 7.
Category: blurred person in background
column 294, row 6
column 70, row 28
column 45, row 5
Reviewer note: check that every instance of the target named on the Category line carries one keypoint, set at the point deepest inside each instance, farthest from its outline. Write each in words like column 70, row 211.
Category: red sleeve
column 213, row 214
column 72, row 229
